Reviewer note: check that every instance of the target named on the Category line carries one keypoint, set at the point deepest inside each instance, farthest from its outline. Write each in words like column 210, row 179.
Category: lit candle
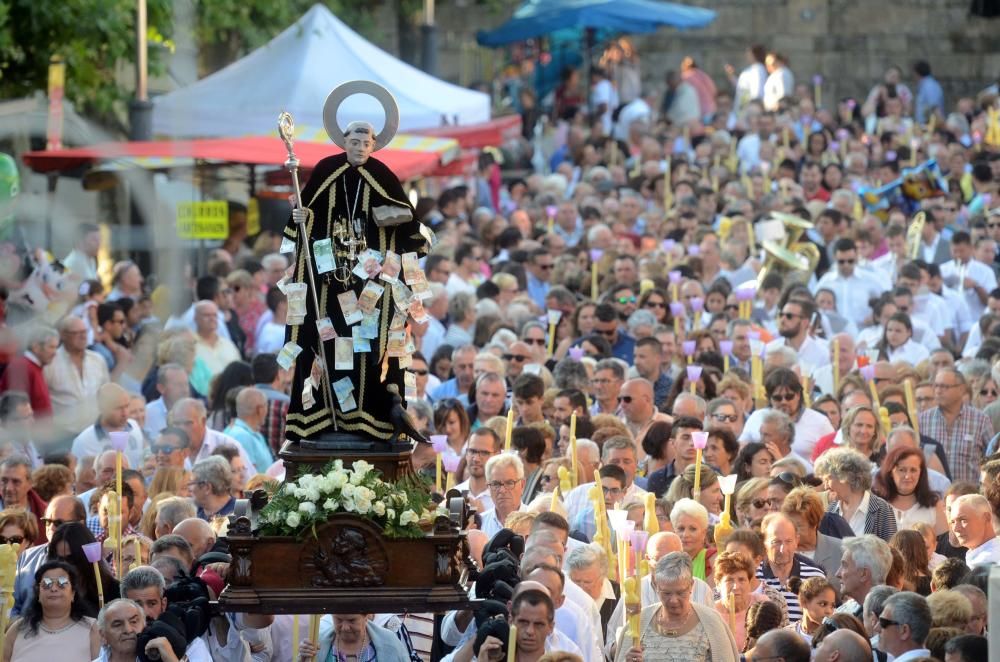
column 574, row 477
column 699, row 440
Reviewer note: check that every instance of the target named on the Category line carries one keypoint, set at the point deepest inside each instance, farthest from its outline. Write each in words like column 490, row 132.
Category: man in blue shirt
column 251, row 410
column 930, row 97
column 606, row 324
column 539, row 272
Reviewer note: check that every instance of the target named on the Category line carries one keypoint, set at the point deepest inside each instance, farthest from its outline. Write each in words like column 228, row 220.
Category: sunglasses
column 535, row 341
column 164, row 449
column 787, row 397
column 543, row 267
column 887, row 623
column 56, row 522
column 419, row 373
column 988, row 391
column 12, row 540
column 726, row 418
column 731, row 306
column 846, row 261
column 654, row 304
column 624, row 300
column 790, row 316
column 759, row 503
column 627, row 399
column 515, row 357
column 48, row 582
column 606, row 332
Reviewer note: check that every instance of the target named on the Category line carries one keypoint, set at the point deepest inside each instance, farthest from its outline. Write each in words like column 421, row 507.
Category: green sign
column 203, row 220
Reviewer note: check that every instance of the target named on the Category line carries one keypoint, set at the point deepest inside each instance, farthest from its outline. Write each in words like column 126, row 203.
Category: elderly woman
column 689, row 520
column 352, row 637
column 721, row 450
column 751, row 502
column 677, row 629
column 902, row 481
column 710, row 494
column 19, row 528
column 734, row 573
column 847, row 475
column 750, row 544
column 54, row 626
column 784, row 393
column 806, row 510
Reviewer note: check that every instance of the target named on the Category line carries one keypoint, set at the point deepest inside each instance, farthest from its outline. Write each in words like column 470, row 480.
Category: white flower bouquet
column 298, row 506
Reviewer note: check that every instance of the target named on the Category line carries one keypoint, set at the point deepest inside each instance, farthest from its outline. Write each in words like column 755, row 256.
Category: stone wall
column 848, row 42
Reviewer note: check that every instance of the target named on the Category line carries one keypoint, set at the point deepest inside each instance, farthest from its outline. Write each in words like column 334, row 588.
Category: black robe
column 375, row 185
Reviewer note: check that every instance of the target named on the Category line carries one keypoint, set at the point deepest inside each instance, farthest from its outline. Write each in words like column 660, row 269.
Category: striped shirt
column 801, row 568
column 965, row 441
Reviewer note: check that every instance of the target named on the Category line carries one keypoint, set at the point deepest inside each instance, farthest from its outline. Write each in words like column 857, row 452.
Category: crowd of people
column 701, row 330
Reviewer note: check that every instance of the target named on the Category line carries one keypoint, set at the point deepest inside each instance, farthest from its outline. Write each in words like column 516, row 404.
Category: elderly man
column 971, row 520
column 189, row 415
column 903, row 627
column 638, row 409
column 781, row 644
column 963, row 430
column 976, row 596
column 462, row 365
column 211, row 480
column 609, row 375
column 843, row 646
column 483, row 445
column 24, row 373
column 113, row 402
column 119, row 622
column 17, row 492
column 620, row 451
column 777, row 432
column 172, row 385
column 251, row 410
column 865, row 564
column 74, row 377
column 171, row 512
column 61, row 510
column 781, row 542
column 505, row 478
column 588, row 569
column 211, row 347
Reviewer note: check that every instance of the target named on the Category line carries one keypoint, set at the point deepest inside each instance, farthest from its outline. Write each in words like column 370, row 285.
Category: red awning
column 477, row 136
column 254, row 150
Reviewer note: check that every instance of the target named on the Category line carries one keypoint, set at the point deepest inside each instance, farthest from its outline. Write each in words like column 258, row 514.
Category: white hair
column 691, row 508
column 592, row 449
column 673, row 567
column 503, row 461
column 587, row 556
column 871, row 552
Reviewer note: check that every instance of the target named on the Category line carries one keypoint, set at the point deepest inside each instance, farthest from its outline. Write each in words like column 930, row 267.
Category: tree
column 94, row 37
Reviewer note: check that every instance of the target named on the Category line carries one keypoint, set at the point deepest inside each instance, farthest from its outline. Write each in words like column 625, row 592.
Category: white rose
column 379, row 509
column 338, row 480
column 312, row 494
column 338, row 465
column 363, row 505
column 362, row 467
column 349, row 491
column 407, row 517
column 293, row 520
column 330, row 504
column 356, row 478
column 348, row 504
column 390, row 513
column 307, row 507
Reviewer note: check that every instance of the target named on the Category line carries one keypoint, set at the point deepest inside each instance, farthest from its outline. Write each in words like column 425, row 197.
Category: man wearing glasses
column 851, row 287
column 170, row 448
column 794, row 323
column 539, row 272
column 963, row 430
column 606, row 324
column 483, row 445
column 505, row 479
column 903, row 627
column 609, row 375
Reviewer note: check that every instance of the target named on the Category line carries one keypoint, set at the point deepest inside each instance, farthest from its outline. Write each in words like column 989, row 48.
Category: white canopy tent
column 296, row 71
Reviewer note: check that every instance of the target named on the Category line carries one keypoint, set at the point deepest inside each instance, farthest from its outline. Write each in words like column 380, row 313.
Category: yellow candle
column 911, row 404
column 630, row 589
column 449, row 481
column 806, row 392
column 725, row 359
column 874, row 392
column 697, row 474
column 593, row 280
column 552, row 338
column 555, row 500
column 295, row 638
column 785, row 138
column 100, row 584
column 512, row 644
column 510, row 428
column 574, row 477
column 694, row 382
column 836, row 365
column 121, row 512
column 650, row 524
column 437, row 471
column 733, row 161
column 314, row 629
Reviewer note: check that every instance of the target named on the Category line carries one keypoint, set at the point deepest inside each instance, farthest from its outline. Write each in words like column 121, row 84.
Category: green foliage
column 92, row 36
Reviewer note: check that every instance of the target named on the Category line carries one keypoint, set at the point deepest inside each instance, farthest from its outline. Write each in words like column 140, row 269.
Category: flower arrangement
column 298, row 506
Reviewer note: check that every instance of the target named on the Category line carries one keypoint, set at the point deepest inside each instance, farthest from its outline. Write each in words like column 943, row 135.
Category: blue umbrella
column 539, row 17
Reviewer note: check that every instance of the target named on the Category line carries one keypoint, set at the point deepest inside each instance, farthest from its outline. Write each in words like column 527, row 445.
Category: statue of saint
column 364, row 240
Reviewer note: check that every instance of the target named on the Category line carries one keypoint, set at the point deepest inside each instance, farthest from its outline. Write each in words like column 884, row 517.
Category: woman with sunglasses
column 903, row 482
column 19, row 528
column 897, row 342
column 55, row 625
column 451, row 419
column 847, row 476
column 784, row 393
column 984, row 391
column 657, row 301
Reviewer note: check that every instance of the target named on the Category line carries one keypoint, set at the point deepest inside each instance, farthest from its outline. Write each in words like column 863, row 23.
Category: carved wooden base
column 348, row 567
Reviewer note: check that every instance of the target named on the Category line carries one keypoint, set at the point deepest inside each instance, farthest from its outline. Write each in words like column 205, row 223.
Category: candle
column 734, row 162
column 550, row 212
column 450, row 461
column 732, row 612
column 727, row 484
column 510, row 428
column 595, row 256
column 649, row 521
column 633, row 603
column 565, row 482
column 440, row 444
column 911, row 404
column 94, row 551
column 693, row 375
column 554, row 504
column 677, row 312
column 574, row 477
column 689, row 347
column 137, row 550
column 836, row 364
column 726, row 347
column 295, row 638
column 512, row 644
column 667, row 189
column 699, row 439
column 806, row 391
column 817, row 96
column 119, row 442
column 314, row 629
column 554, row 317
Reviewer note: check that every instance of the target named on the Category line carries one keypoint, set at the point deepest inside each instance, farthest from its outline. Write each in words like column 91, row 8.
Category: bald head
column 112, row 401
column 198, row 533
column 662, row 543
column 251, row 406
column 843, row 645
column 529, row 585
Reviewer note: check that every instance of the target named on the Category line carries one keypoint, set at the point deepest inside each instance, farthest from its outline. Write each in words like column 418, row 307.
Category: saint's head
column 359, row 140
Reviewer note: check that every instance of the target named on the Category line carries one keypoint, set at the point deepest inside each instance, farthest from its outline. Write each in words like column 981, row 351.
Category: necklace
column 359, row 656
column 669, row 629
column 57, row 630
column 351, row 210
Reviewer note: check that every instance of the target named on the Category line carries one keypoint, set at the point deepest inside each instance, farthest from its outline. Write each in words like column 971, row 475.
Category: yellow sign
column 203, row 220
column 253, row 217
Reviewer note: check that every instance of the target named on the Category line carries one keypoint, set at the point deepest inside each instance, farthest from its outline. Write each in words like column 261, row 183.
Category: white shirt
column 852, row 292
column 983, row 276
column 558, row 642
column 458, row 284
column 988, row 552
column 823, row 379
column 216, row 357
column 81, row 265
column 604, row 92
column 572, row 621
column 87, row 444
column 930, row 250
column 860, row 515
column 779, row 84
column 750, row 84
column 156, row 417
column 808, row 429
column 270, row 338
column 186, row 321
column 813, row 351
column 636, row 110
column 491, row 524
column 911, row 352
column 74, row 395
column 212, row 440
column 484, row 498
column 914, row 654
